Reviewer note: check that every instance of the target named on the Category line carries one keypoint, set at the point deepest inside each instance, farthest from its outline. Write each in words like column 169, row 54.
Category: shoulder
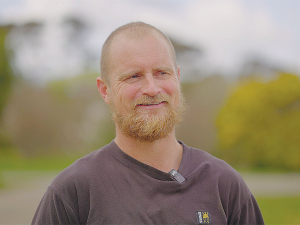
column 67, row 198
column 207, row 162
column 80, row 172
column 224, row 181
column 207, row 166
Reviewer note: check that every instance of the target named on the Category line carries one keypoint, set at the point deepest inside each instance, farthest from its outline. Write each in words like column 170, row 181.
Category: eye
column 162, row 74
column 159, row 73
column 135, row 76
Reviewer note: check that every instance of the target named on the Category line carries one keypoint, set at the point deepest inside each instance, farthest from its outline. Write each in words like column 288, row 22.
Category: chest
column 147, row 202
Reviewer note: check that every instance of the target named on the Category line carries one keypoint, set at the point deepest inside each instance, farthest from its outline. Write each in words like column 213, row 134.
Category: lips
column 149, row 104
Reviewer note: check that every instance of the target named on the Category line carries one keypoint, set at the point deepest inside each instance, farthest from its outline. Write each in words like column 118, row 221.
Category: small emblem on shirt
column 203, row 217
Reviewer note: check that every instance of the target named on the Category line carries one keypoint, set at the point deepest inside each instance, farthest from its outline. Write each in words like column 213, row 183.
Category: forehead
column 149, row 46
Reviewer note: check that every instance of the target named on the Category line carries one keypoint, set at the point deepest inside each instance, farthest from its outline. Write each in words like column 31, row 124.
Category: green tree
column 6, row 80
column 259, row 124
column 6, row 75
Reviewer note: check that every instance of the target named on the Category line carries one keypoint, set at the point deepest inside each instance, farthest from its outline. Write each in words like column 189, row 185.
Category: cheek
column 173, row 90
column 123, row 98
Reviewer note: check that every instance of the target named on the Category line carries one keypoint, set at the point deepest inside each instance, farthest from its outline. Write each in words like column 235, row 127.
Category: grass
column 280, row 210
column 1, row 181
column 10, row 163
column 17, row 163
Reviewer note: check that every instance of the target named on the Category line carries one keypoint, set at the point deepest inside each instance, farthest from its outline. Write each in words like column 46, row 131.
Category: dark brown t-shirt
column 109, row 187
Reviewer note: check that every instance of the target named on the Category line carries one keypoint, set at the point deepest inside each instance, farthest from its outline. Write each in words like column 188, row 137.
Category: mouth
column 152, row 105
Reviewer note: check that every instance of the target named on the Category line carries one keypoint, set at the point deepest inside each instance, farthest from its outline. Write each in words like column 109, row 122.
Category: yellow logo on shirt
column 203, row 217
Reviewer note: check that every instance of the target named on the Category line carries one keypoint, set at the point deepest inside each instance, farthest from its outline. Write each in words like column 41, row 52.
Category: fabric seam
column 244, row 203
column 65, row 202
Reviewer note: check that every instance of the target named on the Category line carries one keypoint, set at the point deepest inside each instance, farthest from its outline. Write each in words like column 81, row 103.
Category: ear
column 103, row 89
column 178, row 73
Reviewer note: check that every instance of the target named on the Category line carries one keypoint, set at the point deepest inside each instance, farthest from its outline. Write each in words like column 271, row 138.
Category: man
column 145, row 176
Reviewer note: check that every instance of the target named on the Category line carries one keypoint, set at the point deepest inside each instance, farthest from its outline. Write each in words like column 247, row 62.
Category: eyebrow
column 126, row 74
column 129, row 72
column 166, row 68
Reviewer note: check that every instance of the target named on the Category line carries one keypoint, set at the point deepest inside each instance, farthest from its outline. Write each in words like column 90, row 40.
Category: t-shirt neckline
column 149, row 170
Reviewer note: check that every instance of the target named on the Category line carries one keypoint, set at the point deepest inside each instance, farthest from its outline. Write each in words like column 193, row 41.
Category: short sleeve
column 249, row 213
column 53, row 209
column 238, row 202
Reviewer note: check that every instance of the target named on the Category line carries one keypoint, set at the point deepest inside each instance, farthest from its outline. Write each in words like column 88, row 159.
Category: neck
column 163, row 154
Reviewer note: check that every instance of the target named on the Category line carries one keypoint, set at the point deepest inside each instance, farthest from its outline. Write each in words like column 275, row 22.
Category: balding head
column 134, row 30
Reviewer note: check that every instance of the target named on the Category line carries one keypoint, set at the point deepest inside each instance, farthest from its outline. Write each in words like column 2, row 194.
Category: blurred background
column 240, row 68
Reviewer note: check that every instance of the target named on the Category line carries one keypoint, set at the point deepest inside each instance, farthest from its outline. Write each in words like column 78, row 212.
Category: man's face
column 144, row 92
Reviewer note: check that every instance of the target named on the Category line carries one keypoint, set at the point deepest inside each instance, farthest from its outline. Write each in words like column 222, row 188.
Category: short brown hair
column 132, row 30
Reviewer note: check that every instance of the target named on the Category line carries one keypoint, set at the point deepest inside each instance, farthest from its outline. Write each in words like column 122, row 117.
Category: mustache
column 151, row 100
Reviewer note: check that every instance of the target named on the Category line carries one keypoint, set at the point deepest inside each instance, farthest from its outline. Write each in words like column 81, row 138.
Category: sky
column 228, row 31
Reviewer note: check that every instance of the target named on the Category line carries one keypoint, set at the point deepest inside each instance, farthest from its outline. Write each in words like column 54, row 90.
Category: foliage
column 80, row 96
column 259, row 124
column 66, row 116
column 203, row 101
column 6, row 81
column 6, row 75
column 280, row 210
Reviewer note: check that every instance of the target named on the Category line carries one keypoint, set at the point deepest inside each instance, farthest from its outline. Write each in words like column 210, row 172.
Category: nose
column 150, row 87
